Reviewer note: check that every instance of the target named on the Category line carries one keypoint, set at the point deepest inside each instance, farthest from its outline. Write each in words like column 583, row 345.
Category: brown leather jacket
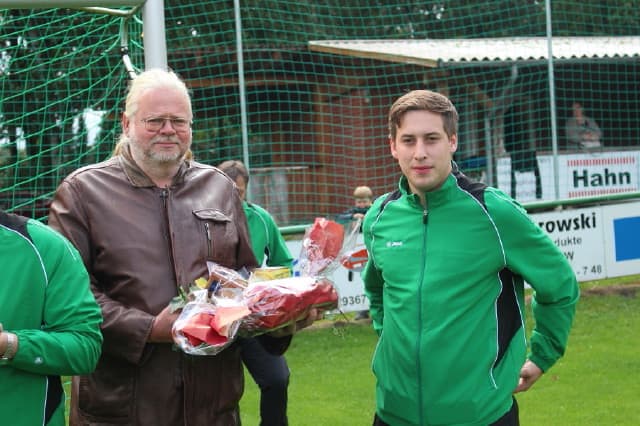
column 139, row 242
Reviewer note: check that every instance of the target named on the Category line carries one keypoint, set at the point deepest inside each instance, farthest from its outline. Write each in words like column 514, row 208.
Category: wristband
column 12, row 345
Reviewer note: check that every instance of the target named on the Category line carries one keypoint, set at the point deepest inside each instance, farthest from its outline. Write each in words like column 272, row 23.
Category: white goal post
column 155, row 44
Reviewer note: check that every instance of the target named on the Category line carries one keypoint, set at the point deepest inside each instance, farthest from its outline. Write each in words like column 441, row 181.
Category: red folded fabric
column 198, row 330
column 326, row 237
column 276, row 303
column 213, row 328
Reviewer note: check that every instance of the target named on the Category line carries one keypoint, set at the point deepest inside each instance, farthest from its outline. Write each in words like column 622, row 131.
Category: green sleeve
column 279, row 254
column 530, row 252
column 69, row 341
column 371, row 275
column 264, row 234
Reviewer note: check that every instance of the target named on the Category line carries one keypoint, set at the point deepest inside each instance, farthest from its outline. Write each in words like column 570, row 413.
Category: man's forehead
column 164, row 101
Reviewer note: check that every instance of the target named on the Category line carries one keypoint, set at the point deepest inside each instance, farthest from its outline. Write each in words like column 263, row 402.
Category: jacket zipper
column 164, row 195
column 419, row 342
column 209, row 242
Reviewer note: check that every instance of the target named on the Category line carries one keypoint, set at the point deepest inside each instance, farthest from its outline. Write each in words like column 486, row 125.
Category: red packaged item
column 321, row 246
column 229, row 305
column 205, row 328
column 277, row 303
column 355, row 259
column 198, row 330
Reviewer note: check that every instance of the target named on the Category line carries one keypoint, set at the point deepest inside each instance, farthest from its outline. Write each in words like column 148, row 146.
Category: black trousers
column 511, row 418
column 271, row 374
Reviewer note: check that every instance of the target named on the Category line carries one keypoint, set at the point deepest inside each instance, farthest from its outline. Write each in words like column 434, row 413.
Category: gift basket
column 227, row 304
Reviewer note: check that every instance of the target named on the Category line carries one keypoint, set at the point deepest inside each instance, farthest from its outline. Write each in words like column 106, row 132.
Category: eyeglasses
column 154, row 124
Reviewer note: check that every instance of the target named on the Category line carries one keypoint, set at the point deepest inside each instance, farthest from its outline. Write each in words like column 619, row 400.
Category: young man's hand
column 529, row 374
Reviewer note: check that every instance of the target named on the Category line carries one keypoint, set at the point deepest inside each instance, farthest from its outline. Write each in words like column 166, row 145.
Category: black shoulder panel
column 475, row 188
column 390, row 197
column 15, row 222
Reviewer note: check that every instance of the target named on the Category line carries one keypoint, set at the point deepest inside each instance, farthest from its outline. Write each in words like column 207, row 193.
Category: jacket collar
column 139, row 178
column 433, row 198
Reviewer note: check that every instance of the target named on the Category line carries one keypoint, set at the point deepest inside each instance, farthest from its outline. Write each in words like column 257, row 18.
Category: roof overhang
column 486, row 51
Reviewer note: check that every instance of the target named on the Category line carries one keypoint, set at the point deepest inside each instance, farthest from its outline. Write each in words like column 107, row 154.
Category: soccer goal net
column 62, row 79
column 301, row 90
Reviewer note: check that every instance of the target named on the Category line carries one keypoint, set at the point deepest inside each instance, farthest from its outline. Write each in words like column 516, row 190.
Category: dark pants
column 511, row 418
column 271, row 374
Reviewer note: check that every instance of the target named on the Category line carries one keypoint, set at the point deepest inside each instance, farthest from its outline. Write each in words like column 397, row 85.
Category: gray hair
column 152, row 79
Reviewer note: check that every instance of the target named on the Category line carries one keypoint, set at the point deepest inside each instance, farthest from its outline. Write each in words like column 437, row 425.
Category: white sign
column 350, row 286
column 590, row 174
column 578, row 234
column 525, row 186
column 579, row 175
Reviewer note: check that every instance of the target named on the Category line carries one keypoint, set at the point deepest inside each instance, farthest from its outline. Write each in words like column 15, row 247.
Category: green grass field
column 596, row 383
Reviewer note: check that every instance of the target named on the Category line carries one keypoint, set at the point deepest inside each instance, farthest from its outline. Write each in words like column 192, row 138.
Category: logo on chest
column 394, row 243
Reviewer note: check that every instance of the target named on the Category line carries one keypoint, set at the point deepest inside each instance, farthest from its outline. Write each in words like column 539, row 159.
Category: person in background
column 582, row 131
column 145, row 222
column 448, row 258
column 269, row 371
column 518, row 144
column 49, row 321
column 363, row 197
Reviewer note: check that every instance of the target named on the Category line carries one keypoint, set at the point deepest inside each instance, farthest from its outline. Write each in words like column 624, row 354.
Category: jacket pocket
column 220, row 235
column 105, row 396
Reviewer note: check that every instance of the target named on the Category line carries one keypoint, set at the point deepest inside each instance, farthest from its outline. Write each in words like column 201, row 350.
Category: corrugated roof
column 440, row 52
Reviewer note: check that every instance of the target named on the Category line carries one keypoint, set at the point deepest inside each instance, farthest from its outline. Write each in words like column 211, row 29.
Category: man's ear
column 453, row 142
column 392, row 147
column 124, row 121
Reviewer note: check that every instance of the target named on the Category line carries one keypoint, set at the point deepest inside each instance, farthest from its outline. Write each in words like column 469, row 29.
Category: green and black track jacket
column 266, row 239
column 446, row 290
column 46, row 301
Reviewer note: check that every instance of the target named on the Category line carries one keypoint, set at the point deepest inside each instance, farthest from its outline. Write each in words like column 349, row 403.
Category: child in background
column 363, row 197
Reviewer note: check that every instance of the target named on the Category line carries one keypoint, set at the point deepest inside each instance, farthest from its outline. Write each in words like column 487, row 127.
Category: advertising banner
column 578, row 233
column 583, row 174
column 590, row 174
column 599, row 242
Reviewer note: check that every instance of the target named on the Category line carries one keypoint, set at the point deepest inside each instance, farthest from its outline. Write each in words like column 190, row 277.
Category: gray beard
column 162, row 158
column 152, row 158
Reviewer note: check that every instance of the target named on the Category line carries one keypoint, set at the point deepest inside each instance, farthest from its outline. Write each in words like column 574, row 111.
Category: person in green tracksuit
column 269, row 371
column 448, row 258
column 49, row 321
column 267, row 242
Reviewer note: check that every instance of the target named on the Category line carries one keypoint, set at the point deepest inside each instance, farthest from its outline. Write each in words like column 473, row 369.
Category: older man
column 146, row 221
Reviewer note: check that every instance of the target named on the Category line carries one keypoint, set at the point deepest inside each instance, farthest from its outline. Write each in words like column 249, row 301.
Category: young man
column 269, row 371
column 146, row 221
column 447, row 261
column 49, row 321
